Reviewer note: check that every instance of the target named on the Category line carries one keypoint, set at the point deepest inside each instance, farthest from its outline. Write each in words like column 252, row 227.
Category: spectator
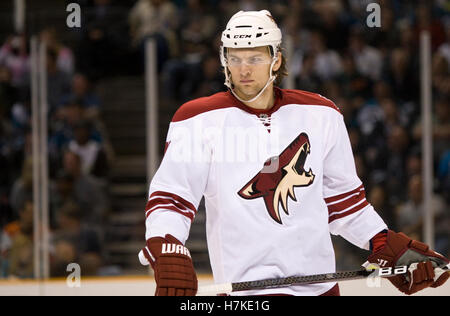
column 410, row 213
column 444, row 49
column 399, row 74
column 441, row 128
column 82, row 92
column 6, row 131
column 95, row 52
column 8, row 233
column 355, row 140
column 292, row 27
column 425, row 21
column 414, row 163
column 20, row 253
column 6, row 172
column 58, row 82
column 371, row 113
column 361, row 169
column 407, row 37
column 308, row 79
column 380, row 200
column 20, row 150
column 444, row 175
column 74, row 242
column 149, row 17
column 348, row 112
column 351, row 81
column 391, row 116
column 64, row 122
column 386, row 37
column 368, row 59
column 88, row 192
column 398, row 145
column 63, row 253
column 178, row 74
column 102, row 12
column 210, row 79
column 197, row 21
column 331, row 23
column 153, row 19
column 327, row 63
column 93, row 156
column 64, row 55
column 21, row 117
column 22, row 189
column 61, row 192
column 8, row 93
column 441, row 76
column 14, row 56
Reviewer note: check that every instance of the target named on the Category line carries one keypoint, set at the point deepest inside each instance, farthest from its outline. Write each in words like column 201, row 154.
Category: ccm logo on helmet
column 242, row 36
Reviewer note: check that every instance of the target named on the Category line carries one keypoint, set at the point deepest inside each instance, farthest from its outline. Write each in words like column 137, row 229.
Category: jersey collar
column 277, row 104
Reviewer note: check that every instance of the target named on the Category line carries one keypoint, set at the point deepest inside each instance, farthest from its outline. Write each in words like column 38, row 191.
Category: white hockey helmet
column 248, row 29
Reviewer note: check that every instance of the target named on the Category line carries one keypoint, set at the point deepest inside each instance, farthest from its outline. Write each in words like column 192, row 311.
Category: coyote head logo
column 278, row 184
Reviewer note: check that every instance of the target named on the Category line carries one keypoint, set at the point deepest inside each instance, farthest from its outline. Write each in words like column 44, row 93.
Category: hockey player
column 276, row 169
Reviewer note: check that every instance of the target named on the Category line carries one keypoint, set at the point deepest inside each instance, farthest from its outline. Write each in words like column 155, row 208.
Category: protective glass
column 234, row 61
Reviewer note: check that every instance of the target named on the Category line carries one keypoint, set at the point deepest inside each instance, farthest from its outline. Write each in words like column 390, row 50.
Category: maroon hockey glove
column 172, row 263
column 396, row 249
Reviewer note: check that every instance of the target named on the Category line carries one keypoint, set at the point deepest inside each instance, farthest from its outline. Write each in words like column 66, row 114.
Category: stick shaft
column 282, row 282
column 299, row 280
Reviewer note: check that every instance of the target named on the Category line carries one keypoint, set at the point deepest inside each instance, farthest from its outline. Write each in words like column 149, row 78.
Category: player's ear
column 277, row 64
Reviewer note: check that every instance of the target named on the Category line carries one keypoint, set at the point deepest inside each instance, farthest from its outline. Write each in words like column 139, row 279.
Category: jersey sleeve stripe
column 175, row 197
column 190, row 215
column 349, row 212
column 160, row 200
column 156, row 201
column 344, row 199
column 160, row 206
column 346, row 209
column 353, row 199
column 342, row 196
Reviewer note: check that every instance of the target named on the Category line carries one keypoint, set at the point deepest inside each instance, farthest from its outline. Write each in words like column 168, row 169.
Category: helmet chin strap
column 269, row 81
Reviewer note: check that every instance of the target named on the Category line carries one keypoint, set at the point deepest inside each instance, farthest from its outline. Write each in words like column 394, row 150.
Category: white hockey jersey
column 276, row 183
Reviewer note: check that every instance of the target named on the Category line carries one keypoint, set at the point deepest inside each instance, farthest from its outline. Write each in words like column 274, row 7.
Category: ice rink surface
column 143, row 286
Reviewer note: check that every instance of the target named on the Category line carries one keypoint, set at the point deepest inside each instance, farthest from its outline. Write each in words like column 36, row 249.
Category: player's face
column 249, row 68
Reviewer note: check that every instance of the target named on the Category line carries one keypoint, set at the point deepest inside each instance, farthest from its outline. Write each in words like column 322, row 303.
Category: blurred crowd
column 78, row 160
column 372, row 74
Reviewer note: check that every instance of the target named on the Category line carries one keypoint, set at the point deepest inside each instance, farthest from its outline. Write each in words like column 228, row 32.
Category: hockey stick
column 369, row 271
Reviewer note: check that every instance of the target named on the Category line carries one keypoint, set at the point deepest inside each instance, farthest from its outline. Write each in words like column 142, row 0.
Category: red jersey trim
column 306, row 98
column 161, row 200
column 170, row 208
column 198, row 106
column 345, row 204
column 175, row 197
column 223, row 100
column 343, row 195
column 349, row 212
